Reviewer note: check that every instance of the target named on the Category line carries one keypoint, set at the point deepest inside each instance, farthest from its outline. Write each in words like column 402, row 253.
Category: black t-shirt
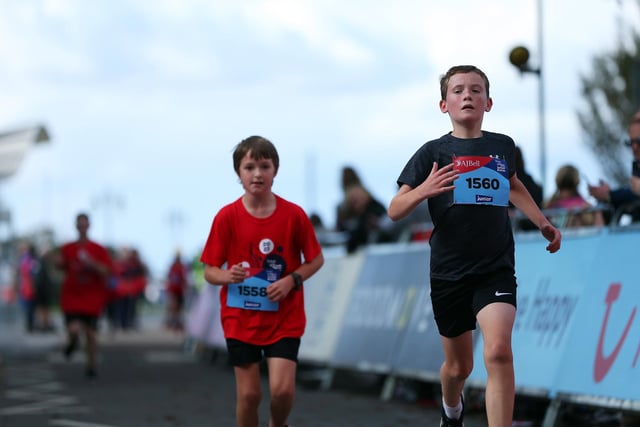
column 466, row 239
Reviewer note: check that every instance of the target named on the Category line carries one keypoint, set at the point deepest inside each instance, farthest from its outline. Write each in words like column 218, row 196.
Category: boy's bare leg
column 496, row 321
column 92, row 347
column 248, row 394
column 282, row 387
column 458, row 363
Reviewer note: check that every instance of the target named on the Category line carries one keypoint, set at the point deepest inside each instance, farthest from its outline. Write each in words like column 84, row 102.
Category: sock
column 452, row 412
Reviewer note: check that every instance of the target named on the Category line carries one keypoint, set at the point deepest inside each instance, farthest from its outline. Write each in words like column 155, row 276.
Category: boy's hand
column 553, row 235
column 439, row 181
column 279, row 289
column 237, row 273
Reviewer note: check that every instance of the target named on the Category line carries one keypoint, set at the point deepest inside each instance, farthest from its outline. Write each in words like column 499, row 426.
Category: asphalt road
column 151, row 378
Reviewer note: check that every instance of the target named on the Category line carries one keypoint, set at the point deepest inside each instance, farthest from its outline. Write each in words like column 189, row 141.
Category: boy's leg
column 248, row 394
column 457, row 366
column 496, row 322
column 90, row 325
column 73, row 327
column 282, row 387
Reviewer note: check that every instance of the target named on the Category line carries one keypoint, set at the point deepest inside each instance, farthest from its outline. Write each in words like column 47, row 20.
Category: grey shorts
column 457, row 303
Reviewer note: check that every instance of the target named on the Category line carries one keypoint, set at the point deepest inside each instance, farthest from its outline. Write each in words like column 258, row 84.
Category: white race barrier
column 326, row 297
column 576, row 336
column 203, row 319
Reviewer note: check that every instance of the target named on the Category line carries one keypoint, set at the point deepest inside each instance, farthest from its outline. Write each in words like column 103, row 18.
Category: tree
column 612, row 96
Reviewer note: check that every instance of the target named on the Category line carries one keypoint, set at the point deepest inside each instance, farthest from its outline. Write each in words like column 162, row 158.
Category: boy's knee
column 458, row 371
column 498, row 354
column 250, row 398
column 282, row 394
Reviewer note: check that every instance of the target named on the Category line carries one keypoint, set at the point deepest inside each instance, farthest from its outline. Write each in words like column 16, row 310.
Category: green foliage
column 611, row 96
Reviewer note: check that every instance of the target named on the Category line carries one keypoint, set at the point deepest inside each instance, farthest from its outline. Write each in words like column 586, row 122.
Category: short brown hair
column 259, row 148
column 461, row 69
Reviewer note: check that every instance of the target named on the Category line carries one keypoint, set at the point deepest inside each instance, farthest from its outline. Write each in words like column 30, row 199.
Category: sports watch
column 297, row 279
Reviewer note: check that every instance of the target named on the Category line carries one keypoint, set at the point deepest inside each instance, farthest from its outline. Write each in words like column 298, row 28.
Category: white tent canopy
column 14, row 145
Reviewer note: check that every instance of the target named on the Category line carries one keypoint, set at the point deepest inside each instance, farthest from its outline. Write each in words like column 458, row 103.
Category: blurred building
column 14, row 145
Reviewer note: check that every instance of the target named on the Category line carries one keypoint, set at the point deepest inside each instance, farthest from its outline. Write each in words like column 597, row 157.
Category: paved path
column 147, row 379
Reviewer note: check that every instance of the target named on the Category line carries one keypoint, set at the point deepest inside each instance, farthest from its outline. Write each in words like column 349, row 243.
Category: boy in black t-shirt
column 469, row 178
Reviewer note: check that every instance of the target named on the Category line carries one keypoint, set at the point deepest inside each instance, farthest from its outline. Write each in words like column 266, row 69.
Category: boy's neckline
column 259, row 208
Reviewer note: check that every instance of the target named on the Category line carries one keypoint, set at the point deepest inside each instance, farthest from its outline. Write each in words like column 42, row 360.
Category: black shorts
column 457, row 303
column 241, row 353
column 86, row 319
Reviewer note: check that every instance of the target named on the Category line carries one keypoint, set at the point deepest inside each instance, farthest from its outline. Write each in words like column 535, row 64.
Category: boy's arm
column 308, row 269
column 439, row 181
column 219, row 276
column 522, row 200
column 281, row 288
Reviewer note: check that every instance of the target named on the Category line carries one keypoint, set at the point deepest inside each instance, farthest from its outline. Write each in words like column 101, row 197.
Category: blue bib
column 251, row 294
column 482, row 180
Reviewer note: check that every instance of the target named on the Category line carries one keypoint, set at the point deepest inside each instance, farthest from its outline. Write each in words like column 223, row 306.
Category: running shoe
column 91, row 373
column 71, row 347
column 448, row 422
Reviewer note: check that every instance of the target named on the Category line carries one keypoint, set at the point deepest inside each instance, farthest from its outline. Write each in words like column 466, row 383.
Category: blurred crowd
column 36, row 281
column 361, row 218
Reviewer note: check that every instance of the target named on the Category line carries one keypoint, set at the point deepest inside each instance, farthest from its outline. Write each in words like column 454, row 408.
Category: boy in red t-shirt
column 84, row 293
column 261, row 248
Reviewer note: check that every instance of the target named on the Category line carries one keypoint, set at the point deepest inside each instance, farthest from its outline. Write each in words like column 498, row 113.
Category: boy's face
column 466, row 100
column 256, row 175
column 82, row 225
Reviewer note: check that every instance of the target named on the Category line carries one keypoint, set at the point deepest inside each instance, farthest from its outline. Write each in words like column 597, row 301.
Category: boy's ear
column 443, row 106
column 489, row 104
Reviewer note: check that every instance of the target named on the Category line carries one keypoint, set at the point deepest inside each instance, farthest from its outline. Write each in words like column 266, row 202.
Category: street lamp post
column 109, row 202
column 519, row 57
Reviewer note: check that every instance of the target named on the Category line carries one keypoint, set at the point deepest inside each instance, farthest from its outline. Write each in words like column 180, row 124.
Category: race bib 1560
column 483, row 180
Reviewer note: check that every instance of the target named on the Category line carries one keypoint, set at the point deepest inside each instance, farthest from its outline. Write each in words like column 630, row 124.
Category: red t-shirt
column 278, row 241
column 84, row 290
column 177, row 279
column 25, row 271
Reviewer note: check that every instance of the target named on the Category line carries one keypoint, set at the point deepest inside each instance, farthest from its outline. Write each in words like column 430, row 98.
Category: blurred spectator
column 532, row 187
column 359, row 215
column 25, row 284
column 416, row 226
column 345, row 217
column 368, row 217
column 574, row 210
column 129, row 283
column 44, row 292
column 325, row 236
column 317, row 223
column 624, row 199
column 362, row 219
column 177, row 280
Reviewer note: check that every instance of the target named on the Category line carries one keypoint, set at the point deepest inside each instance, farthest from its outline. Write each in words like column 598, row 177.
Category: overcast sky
column 145, row 100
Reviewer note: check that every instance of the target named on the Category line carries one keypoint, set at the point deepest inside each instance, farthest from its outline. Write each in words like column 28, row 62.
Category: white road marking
column 71, row 423
column 168, row 357
column 36, row 392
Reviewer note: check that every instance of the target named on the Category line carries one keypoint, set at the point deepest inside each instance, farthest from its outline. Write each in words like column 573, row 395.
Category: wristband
column 297, row 279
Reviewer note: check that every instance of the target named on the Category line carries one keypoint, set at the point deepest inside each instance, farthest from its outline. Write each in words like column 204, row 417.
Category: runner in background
column 176, row 288
column 87, row 268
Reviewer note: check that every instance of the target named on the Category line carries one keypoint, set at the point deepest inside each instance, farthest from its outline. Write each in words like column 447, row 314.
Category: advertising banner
column 603, row 350
column 550, row 287
column 381, row 306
